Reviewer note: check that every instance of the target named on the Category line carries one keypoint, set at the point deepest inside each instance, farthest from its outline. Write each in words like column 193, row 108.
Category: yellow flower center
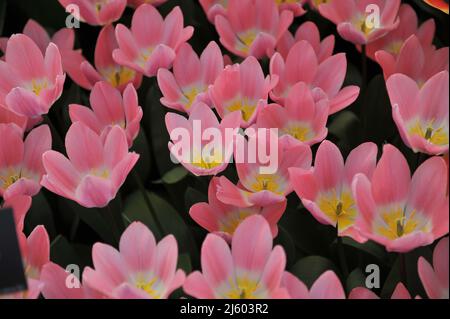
column 207, row 160
column 100, row 172
column 436, row 136
column 234, row 220
column 341, row 209
column 265, row 182
column 119, row 76
column 246, row 107
column 280, row 2
column 191, row 94
column 144, row 56
column 299, row 131
column 394, row 47
column 319, row 2
column 148, row 287
column 397, row 223
column 244, row 289
column 38, row 85
column 247, row 38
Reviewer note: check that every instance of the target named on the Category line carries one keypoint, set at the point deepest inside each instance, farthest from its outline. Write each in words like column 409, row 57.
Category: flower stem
column 342, row 259
column 116, row 223
column 144, row 193
column 56, row 137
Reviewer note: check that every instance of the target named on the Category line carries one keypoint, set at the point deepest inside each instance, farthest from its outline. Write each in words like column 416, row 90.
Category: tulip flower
column 327, row 286
column 213, row 8
column 415, row 60
column 106, row 68
column 307, row 31
column 201, row 144
column 55, row 283
column 400, row 292
column 9, row 117
column 152, row 42
column 223, row 219
column 65, row 40
column 435, row 279
column 109, row 108
column 241, row 87
column 140, row 269
column 392, row 42
column 261, row 182
column 421, row 114
column 35, row 254
column 94, row 171
column 21, row 161
column 137, row 3
column 252, row 28
column 191, row 77
column 251, row 269
column 30, row 82
column 96, row 12
column 304, row 117
column 20, row 205
column 302, row 65
column 400, row 212
column 325, row 190
column 296, row 6
column 362, row 21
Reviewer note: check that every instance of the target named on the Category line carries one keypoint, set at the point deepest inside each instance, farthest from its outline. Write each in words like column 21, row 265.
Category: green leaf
column 141, row 146
column 285, row 240
column 413, row 283
column 194, row 196
column 40, row 213
column 356, row 279
column 63, row 254
column 135, row 209
column 184, row 263
column 368, row 247
column 345, row 126
column 175, row 175
column 310, row 268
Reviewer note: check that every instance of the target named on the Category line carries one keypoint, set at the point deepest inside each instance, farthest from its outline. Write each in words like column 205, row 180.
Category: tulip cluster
column 253, row 125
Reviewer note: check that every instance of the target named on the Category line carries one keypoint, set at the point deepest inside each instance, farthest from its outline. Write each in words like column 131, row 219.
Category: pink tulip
column 295, row 6
column 152, row 43
column 421, row 114
column 191, row 77
column 20, row 205
column 109, row 108
column 241, row 87
column 400, row 212
column 193, row 143
column 9, row 117
column 327, row 286
column 94, row 171
column 392, row 42
column 251, row 269
column 96, row 12
column 106, row 68
column 65, row 41
column 302, row 65
column 30, row 82
column 213, row 8
column 141, row 269
column 252, row 28
column 21, row 161
column 137, row 3
column 325, row 190
column 307, row 31
column 223, row 219
column 415, row 60
column 400, row 292
column 304, row 117
column 258, row 187
column 35, row 254
column 55, row 280
column 356, row 20
column 435, row 279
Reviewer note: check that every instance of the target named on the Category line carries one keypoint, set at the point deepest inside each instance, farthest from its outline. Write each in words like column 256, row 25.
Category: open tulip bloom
column 282, row 149
column 400, row 212
column 152, row 42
